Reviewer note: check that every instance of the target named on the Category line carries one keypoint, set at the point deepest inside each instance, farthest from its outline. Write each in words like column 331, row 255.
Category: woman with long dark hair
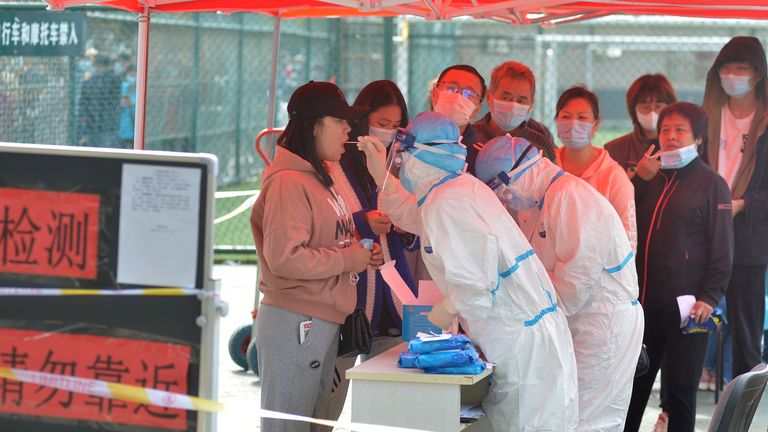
column 387, row 112
column 308, row 258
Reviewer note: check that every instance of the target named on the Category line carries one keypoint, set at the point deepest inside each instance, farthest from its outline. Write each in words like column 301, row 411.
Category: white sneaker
column 711, row 386
column 661, row 422
column 706, row 378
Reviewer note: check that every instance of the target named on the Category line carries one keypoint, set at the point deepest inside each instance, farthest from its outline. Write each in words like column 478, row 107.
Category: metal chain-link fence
column 209, row 76
column 605, row 54
column 208, row 80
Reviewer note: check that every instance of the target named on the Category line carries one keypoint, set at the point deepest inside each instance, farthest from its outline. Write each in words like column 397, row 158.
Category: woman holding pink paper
column 386, row 111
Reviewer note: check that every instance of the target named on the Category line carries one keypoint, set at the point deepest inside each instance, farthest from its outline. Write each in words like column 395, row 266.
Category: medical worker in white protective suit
column 584, row 247
column 488, row 273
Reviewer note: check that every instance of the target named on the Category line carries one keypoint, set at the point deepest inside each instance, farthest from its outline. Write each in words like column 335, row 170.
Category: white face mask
column 385, row 135
column 736, row 85
column 509, row 115
column 455, row 106
column 678, row 158
column 574, row 134
column 648, row 121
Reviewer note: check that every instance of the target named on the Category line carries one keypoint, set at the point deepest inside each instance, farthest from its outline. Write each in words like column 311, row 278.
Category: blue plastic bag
column 454, row 342
column 470, row 369
column 707, row 326
column 407, row 360
column 452, row 358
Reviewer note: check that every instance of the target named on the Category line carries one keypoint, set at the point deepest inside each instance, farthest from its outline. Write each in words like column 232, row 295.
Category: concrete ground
column 240, row 391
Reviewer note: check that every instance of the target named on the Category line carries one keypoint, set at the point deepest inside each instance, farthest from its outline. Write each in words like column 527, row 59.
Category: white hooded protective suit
column 582, row 243
column 482, row 263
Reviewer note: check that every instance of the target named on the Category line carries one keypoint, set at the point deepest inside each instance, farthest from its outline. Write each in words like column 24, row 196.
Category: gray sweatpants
column 295, row 378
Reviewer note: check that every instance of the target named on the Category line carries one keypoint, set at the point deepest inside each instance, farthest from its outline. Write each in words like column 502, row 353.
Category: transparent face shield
column 403, row 141
column 504, row 185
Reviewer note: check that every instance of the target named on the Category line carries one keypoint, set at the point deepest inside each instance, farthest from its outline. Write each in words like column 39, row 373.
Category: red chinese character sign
column 49, row 233
column 84, row 218
column 156, row 365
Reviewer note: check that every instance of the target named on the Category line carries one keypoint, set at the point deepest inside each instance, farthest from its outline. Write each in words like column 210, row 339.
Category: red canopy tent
column 514, row 12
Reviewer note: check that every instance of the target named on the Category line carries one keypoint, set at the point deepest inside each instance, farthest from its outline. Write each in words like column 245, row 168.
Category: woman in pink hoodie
column 578, row 119
column 308, row 258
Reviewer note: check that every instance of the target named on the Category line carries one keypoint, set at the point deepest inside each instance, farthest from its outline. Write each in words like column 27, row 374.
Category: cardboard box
column 415, row 321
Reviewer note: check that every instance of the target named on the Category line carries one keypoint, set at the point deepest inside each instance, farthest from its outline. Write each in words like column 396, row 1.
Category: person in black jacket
column 685, row 247
column 736, row 101
column 100, row 106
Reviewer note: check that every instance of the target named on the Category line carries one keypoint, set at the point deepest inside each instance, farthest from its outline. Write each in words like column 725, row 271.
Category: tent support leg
column 142, row 60
column 273, row 77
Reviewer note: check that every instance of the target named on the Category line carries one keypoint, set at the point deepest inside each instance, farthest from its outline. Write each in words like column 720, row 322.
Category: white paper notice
column 159, row 225
column 396, row 283
column 685, row 304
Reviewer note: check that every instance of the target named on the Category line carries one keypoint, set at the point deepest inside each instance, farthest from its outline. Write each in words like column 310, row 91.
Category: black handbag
column 355, row 335
column 643, row 363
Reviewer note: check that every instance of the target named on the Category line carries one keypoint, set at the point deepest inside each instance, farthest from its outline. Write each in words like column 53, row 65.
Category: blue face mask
column 678, row 158
column 736, row 85
column 574, row 134
column 509, row 115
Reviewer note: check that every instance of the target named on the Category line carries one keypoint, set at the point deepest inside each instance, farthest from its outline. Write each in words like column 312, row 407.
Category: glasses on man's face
column 736, row 68
column 453, row 87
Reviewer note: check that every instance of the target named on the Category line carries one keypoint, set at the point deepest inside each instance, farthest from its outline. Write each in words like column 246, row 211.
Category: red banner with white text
column 162, row 366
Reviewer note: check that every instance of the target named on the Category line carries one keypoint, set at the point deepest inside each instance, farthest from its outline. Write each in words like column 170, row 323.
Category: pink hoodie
column 607, row 176
column 302, row 231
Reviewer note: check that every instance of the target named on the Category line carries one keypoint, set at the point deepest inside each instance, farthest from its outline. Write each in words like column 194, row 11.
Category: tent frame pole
column 142, row 62
column 273, row 77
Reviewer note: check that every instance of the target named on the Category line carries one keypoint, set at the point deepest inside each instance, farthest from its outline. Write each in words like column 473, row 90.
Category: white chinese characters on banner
column 18, row 33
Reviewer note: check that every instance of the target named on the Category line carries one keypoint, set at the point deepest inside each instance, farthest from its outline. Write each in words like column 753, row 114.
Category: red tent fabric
column 519, row 12
column 515, row 12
